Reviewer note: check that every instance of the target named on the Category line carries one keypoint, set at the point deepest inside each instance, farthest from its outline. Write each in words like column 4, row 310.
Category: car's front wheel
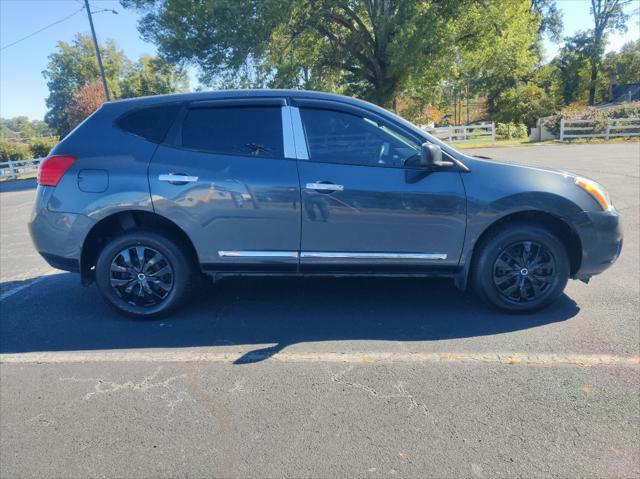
column 143, row 274
column 521, row 268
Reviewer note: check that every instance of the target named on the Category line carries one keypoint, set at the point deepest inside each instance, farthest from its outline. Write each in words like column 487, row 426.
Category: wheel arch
column 563, row 230
column 122, row 221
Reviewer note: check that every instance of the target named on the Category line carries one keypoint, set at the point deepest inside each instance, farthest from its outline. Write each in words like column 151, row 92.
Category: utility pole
column 95, row 44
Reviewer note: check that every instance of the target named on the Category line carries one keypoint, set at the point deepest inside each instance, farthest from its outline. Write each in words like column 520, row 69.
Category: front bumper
column 600, row 233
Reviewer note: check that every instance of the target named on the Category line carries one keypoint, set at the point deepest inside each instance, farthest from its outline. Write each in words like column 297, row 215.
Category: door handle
column 320, row 186
column 178, row 178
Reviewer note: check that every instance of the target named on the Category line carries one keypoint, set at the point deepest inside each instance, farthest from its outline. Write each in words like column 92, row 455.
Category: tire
column 517, row 255
column 145, row 289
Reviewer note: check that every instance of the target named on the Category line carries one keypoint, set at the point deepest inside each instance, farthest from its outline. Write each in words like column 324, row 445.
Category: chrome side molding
column 419, row 256
column 258, row 254
column 330, row 255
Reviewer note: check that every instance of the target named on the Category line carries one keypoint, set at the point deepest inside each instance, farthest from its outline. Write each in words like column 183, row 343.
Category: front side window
column 240, row 131
column 338, row 137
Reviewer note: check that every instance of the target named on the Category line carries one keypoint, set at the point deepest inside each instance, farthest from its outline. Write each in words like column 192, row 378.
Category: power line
column 42, row 29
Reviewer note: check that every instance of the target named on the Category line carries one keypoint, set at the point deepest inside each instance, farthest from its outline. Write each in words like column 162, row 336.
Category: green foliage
column 153, row 76
column 40, row 147
column 498, row 53
column 510, row 130
column 624, row 110
column 13, row 151
column 21, row 129
column 625, row 64
column 523, row 105
column 74, row 65
column 608, row 16
column 378, row 50
column 550, row 18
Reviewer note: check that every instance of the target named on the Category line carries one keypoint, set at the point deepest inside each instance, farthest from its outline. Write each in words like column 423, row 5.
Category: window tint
column 337, row 137
column 255, row 131
column 151, row 123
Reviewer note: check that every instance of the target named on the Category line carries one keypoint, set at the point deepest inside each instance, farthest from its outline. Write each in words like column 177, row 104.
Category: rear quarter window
column 151, row 123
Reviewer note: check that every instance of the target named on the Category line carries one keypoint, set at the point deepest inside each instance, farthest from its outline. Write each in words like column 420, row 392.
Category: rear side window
column 151, row 123
column 244, row 131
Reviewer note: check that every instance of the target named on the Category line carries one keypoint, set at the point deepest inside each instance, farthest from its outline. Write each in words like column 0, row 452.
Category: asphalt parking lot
column 325, row 377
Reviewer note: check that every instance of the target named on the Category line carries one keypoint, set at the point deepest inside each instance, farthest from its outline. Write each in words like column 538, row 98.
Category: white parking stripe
column 26, row 284
column 210, row 356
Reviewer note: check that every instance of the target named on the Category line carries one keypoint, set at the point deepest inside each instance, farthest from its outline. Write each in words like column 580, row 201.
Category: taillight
column 53, row 168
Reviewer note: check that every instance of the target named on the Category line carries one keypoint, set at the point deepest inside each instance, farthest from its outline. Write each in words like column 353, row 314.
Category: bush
column 599, row 115
column 508, row 131
column 12, row 151
column 523, row 105
column 40, row 147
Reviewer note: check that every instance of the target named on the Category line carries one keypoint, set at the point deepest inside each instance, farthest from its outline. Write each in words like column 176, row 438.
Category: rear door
column 365, row 208
column 226, row 181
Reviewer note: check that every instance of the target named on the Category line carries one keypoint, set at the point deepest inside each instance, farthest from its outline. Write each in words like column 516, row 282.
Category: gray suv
column 149, row 194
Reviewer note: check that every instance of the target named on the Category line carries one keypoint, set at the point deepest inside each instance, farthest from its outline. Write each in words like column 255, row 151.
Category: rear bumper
column 58, row 262
column 57, row 236
column 601, row 236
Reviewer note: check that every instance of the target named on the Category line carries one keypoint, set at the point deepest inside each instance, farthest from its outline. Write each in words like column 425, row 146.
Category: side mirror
column 431, row 157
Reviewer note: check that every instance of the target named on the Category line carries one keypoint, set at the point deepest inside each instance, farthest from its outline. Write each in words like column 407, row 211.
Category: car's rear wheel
column 144, row 274
column 521, row 268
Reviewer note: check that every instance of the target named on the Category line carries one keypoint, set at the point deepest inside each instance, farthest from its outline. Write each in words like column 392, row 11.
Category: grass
column 19, row 177
column 526, row 142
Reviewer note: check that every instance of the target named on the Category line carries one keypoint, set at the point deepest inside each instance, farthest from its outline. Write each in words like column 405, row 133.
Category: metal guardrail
column 455, row 134
column 12, row 169
column 613, row 127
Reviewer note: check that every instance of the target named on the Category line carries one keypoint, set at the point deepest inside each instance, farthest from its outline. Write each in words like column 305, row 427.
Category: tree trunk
column 592, row 83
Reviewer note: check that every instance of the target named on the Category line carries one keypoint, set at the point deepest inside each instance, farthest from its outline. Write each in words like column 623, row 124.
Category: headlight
column 596, row 191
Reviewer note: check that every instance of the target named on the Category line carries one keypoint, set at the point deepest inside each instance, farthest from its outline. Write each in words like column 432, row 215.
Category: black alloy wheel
column 141, row 275
column 145, row 274
column 524, row 271
column 520, row 268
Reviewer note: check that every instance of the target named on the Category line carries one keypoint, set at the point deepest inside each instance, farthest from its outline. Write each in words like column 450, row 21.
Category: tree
column 550, row 18
column 72, row 66
column 573, row 66
column 376, row 49
column 500, row 52
column 608, row 15
column 13, row 151
column 17, row 128
column 41, row 146
column 225, row 38
column 86, row 100
column 153, row 76
column 625, row 64
column 523, row 105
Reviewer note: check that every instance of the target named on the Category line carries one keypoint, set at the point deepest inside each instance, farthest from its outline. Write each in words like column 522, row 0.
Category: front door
column 226, row 181
column 365, row 208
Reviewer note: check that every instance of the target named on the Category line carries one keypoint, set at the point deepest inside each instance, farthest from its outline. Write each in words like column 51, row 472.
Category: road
column 325, row 377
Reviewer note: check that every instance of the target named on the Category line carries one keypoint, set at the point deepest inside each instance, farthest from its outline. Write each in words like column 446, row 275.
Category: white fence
column 11, row 169
column 614, row 127
column 455, row 134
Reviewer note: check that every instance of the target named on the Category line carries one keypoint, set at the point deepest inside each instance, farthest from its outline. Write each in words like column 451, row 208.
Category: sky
column 23, row 89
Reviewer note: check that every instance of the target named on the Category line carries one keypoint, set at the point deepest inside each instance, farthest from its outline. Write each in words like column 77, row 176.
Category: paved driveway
column 324, row 377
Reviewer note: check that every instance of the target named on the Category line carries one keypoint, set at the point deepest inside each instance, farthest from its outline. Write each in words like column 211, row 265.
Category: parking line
column 26, row 285
column 210, row 356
